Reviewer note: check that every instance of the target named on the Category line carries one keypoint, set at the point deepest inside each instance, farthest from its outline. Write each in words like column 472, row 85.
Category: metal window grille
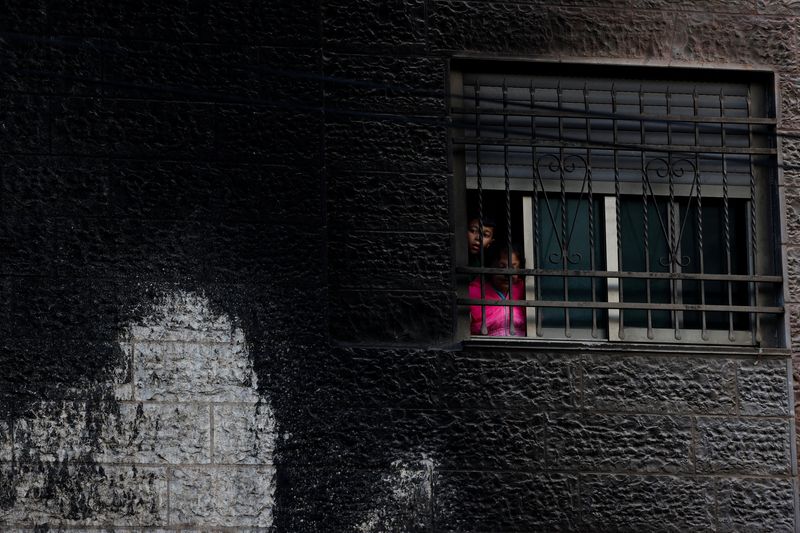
column 645, row 207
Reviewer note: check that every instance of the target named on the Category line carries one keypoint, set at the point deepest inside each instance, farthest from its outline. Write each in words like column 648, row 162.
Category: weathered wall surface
column 226, row 289
column 180, row 437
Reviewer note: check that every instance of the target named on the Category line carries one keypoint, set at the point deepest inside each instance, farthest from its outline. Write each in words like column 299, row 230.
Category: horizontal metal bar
column 547, row 112
column 638, row 347
column 623, row 305
column 620, row 274
column 564, row 143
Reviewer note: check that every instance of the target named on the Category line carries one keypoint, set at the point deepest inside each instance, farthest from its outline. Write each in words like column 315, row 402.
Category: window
column 639, row 208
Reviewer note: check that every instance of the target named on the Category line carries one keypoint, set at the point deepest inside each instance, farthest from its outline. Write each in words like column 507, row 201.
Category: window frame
column 688, row 337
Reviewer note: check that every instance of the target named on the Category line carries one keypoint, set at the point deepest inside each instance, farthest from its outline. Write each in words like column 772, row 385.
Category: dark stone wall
column 290, row 161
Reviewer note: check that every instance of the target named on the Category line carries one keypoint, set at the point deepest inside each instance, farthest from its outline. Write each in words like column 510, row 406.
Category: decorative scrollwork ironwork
column 558, row 257
column 564, row 165
column 679, row 260
column 671, row 169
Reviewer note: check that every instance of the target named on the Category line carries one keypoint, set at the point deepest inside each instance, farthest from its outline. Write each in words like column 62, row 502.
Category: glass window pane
column 576, row 232
column 638, row 253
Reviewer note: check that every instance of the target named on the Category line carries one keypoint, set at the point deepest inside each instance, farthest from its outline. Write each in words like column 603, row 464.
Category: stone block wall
column 182, row 437
column 227, row 298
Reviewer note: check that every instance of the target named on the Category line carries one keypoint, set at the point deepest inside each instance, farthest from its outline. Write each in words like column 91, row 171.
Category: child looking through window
column 496, row 287
column 475, row 241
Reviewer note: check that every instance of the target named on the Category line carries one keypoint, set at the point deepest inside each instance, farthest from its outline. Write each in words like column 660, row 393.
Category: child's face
column 474, row 236
column 500, row 281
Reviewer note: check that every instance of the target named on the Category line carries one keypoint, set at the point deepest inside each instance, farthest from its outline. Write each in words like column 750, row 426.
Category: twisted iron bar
column 563, row 165
column 672, row 169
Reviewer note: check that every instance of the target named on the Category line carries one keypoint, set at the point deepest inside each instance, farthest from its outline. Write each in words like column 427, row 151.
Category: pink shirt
column 497, row 317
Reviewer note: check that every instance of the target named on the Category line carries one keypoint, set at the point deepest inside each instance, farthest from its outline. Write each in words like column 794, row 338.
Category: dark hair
column 494, row 252
column 487, row 221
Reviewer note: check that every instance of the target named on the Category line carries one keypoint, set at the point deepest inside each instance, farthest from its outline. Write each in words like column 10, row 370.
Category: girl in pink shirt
column 496, row 287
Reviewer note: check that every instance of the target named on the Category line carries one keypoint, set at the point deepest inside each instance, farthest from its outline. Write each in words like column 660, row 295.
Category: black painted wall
column 290, row 160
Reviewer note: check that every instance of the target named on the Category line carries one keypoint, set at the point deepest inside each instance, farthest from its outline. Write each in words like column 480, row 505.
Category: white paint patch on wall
column 405, row 502
column 181, row 439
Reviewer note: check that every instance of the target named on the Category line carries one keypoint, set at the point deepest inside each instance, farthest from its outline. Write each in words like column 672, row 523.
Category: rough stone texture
column 791, row 163
column 506, row 501
column 56, row 432
column 793, row 265
column 272, row 22
column 154, row 20
column 390, row 26
column 6, row 445
column 44, row 185
column 751, row 504
column 792, row 215
column 157, row 433
column 89, row 462
column 396, row 498
column 381, row 201
column 130, row 128
column 409, row 144
column 536, row 30
column 390, row 84
column 386, row 317
column 736, row 39
column 375, row 438
column 658, row 384
column 240, row 135
column 788, row 100
column 408, row 504
column 243, row 434
column 648, row 503
column 764, row 387
column 743, row 446
column 507, row 381
column 286, row 165
column 200, row 72
column 359, row 256
column 189, row 371
column 276, row 196
column 221, row 496
column 129, row 433
column 123, row 495
column 24, row 123
column 778, row 7
column 610, row 443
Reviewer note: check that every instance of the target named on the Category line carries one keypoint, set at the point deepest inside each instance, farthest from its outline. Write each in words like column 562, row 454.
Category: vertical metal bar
column 699, row 219
column 507, row 178
column 564, row 242
column 645, row 211
column 591, row 205
column 479, row 174
column 533, row 210
column 617, row 245
column 753, row 228
column 611, row 209
column 674, row 245
column 528, row 235
column 726, row 221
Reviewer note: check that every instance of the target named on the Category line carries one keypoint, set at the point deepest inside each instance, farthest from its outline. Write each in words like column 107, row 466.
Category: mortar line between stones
column 132, row 362
column 738, row 392
column 715, row 484
column 169, row 491
column 211, row 450
column 579, row 503
column 693, row 450
column 165, row 466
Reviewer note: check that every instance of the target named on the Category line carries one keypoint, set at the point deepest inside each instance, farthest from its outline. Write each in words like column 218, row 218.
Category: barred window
column 639, row 208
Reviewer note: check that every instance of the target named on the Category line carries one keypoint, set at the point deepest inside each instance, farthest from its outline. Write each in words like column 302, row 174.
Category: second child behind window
column 496, row 287
column 474, row 239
